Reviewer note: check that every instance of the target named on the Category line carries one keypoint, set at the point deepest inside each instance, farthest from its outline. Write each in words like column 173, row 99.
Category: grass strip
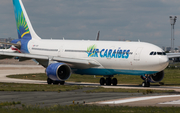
column 61, row 88
column 90, row 109
column 144, row 91
column 37, row 87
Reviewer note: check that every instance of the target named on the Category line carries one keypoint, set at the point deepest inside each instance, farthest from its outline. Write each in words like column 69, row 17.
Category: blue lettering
column 119, row 52
column 114, row 54
column 123, row 53
column 109, row 53
column 96, row 53
column 105, row 53
column 90, row 52
column 101, row 53
column 127, row 54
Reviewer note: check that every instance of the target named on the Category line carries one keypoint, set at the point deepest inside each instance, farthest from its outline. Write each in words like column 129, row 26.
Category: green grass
column 89, row 109
column 36, row 87
column 171, row 78
column 61, row 88
column 9, row 103
column 144, row 91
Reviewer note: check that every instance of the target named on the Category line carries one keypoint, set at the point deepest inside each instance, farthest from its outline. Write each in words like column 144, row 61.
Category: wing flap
column 77, row 63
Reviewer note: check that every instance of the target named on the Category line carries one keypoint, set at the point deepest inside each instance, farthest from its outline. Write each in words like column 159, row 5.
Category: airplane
column 61, row 58
column 12, row 49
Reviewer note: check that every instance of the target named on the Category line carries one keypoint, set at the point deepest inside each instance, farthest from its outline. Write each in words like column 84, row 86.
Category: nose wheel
column 108, row 81
column 146, row 83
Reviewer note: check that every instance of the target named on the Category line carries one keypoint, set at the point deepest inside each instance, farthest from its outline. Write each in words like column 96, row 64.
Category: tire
column 114, row 81
column 55, row 82
column 62, row 82
column 49, row 81
column 146, row 84
column 108, row 81
column 102, row 81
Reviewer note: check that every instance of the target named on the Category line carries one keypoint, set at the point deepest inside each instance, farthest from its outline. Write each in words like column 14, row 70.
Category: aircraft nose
column 163, row 61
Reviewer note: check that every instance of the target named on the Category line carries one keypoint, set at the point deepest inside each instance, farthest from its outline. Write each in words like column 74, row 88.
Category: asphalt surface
column 66, row 98
column 63, row 98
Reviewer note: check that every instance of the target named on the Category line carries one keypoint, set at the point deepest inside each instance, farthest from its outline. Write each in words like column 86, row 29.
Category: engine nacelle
column 58, row 71
column 157, row 77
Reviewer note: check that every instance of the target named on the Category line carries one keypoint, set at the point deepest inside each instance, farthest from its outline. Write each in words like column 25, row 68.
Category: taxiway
column 66, row 98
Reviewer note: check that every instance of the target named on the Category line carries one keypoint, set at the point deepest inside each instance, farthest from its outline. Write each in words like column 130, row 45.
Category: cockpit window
column 157, row 53
column 151, row 53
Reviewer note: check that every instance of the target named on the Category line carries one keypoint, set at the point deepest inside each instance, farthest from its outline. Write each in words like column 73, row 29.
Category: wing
column 173, row 55
column 44, row 60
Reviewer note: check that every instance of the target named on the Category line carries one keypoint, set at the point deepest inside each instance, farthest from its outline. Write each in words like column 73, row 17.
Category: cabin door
column 137, row 54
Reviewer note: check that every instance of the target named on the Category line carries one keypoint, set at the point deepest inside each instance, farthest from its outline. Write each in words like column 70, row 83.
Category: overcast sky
column 146, row 20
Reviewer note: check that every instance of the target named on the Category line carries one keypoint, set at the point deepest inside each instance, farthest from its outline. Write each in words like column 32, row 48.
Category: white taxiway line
column 171, row 102
column 136, row 99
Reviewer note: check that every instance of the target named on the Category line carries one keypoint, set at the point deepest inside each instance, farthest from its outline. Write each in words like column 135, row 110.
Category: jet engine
column 157, row 77
column 58, row 71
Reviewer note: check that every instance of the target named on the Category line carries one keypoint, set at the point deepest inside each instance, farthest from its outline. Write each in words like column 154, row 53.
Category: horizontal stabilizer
column 16, row 45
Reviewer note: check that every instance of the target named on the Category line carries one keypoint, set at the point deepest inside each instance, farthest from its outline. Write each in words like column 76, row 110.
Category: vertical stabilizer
column 24, row 27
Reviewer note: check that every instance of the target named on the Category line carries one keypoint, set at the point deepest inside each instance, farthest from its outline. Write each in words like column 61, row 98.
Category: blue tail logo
column 22, row 26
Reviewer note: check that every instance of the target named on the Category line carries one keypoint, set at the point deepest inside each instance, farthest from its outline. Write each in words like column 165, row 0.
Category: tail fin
column 24, row 27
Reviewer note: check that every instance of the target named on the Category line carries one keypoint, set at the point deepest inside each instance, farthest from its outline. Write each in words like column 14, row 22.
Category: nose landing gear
column 146, row 83
column 108, row 81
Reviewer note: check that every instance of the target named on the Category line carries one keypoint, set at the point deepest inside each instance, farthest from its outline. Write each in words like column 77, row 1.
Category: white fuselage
column 134, row 57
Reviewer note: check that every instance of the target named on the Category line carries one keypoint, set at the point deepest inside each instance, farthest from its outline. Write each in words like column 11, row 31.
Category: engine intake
column 157, row 77
column 58, row 71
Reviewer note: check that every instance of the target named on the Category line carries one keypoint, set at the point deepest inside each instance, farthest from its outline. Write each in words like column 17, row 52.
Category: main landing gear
column 50, row 81
column 108, row 81
column 146, row 83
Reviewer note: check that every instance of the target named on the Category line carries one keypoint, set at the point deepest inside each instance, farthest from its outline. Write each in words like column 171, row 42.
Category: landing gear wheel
column 108, row 81
column 102, row 81
column 62, row 82
column 55, row 82
column 114, row 81
column 143, row 84
column 49, row 81
column 146, row 84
